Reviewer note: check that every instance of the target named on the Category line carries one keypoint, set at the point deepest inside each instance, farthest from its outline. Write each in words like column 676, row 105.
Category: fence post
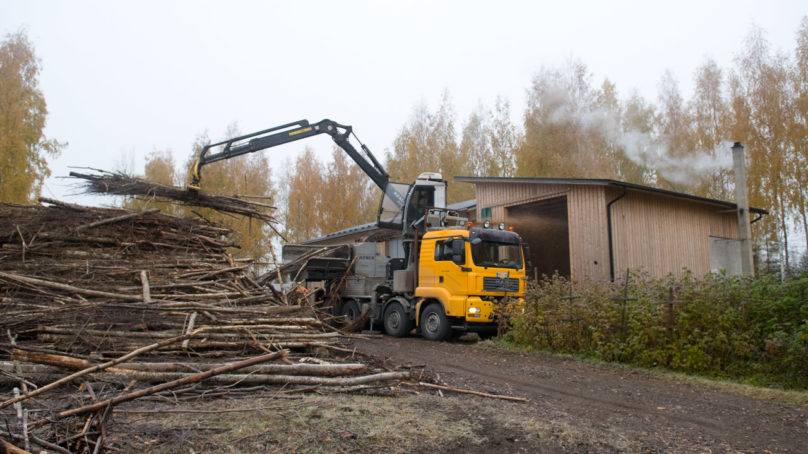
column 572, row 319
column 622, row 326
column 670, row 317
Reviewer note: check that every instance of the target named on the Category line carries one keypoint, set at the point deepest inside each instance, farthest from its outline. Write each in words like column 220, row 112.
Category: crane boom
column 291, row 132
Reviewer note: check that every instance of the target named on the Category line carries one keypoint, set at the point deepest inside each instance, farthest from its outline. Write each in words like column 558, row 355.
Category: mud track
column 618, row 407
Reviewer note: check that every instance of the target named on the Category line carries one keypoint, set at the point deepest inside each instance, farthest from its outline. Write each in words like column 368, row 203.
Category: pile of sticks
column 102, row 306
column 116, row 183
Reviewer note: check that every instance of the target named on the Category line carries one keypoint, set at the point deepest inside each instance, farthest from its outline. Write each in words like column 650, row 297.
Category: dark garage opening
column 544, row 225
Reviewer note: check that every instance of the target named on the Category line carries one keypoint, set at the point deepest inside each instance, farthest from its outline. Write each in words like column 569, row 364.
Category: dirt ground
column 586, row 406
column 574, row 406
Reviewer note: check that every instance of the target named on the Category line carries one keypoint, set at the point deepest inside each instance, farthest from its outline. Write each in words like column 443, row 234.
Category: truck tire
column 396, row 321
column 434, row 324
column 351, row 311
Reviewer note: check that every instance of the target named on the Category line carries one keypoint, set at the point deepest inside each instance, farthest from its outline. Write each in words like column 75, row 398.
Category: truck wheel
column 351, row 311
column 434, row 324
column 396, row 321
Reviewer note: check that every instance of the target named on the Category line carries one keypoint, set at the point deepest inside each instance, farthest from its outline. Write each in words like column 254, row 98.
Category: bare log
column 212, row 332
column 59, row 203
column 97, row 368
column 11, row 449
column 191, row 321
column 267, row 379
column 144, row 279
column 70, row 363
column 164, row 386
column 229, row 348
column 340, row 381
column 69, row 288
column 62, row 361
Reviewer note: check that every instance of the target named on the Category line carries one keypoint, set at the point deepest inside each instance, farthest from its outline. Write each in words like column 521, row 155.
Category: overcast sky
column 123, row 78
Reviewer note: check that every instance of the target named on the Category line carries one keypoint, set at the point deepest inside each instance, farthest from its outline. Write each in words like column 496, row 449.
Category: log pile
column 101, row 306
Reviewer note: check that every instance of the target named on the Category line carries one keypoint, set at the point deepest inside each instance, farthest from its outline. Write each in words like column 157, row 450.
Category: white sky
column 123, row 78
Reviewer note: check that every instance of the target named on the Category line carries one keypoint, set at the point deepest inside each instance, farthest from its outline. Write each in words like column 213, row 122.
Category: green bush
column 752, row 329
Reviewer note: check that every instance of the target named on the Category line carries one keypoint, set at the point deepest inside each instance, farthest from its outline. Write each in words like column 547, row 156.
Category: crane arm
column 291, row 132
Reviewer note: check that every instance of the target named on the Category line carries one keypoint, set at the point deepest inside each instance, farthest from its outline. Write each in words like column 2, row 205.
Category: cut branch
column 120, row 184
column 465, row 391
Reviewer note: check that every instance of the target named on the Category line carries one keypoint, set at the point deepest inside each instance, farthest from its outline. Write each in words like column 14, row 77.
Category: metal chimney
column 741, row 198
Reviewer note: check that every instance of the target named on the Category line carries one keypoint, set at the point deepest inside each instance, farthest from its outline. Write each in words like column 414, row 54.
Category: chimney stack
column 742, row 200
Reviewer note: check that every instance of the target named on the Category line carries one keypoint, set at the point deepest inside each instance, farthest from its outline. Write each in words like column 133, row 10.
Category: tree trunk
column 163, row 386
column 783, row 225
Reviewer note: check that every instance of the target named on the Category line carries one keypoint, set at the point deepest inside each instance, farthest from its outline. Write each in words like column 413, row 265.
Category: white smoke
column 693, row 167
column 646, row 149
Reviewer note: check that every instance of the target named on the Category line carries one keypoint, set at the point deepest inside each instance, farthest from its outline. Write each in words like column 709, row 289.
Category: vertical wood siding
column 589, row 247
column 656, row 233
column 663, row 235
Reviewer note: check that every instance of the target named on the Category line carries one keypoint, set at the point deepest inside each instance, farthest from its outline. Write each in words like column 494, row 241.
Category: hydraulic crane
column 291, row 132
column 437, row 272
column 401, row 205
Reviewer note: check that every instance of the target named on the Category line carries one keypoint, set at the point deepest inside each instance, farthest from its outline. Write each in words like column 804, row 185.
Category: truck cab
column 462, row 274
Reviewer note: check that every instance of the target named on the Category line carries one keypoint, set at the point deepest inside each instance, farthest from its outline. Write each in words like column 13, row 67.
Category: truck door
column 450, row 262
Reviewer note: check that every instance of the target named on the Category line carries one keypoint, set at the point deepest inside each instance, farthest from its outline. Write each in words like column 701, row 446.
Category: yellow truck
column 451, row 282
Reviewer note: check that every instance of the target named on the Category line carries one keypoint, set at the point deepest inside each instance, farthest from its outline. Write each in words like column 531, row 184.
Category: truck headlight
column 474, row 310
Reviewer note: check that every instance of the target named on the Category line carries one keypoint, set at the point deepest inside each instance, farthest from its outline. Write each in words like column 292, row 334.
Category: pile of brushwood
column 100, row 306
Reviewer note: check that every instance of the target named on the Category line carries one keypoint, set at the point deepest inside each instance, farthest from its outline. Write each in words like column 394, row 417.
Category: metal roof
column 364, row 232
column 464, row 205
column 605, row 182
column 372, row 228
column 357, row 230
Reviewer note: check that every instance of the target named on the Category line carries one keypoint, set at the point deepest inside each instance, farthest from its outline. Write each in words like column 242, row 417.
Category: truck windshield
column 499, row 255
column 392, row 206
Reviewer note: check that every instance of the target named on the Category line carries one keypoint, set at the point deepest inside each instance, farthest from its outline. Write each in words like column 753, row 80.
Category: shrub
column 718, row 325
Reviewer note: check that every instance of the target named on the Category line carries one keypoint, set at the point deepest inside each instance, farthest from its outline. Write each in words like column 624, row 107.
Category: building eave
column 605, row 182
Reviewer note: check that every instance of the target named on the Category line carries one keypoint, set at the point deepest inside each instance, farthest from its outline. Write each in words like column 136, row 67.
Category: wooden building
column 596, row 229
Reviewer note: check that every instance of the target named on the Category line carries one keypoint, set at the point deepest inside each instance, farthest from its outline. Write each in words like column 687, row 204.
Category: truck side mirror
column 458, row 251
column 526, row 251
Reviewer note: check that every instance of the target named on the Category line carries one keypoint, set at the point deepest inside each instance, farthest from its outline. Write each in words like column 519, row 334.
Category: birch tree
column 24, row 149
column 708, row 113
column 798, row 192
column 763, row 83
column 674, row 137
column 637, row 135
column 348, row 197
column 428, row 143
column 563, row 129
column 504, row 140
column 305, row 198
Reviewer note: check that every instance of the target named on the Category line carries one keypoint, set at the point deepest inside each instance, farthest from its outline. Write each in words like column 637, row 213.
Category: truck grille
column 496, row 284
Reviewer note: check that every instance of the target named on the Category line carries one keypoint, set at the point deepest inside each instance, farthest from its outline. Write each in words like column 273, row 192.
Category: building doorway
column 544, row 225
